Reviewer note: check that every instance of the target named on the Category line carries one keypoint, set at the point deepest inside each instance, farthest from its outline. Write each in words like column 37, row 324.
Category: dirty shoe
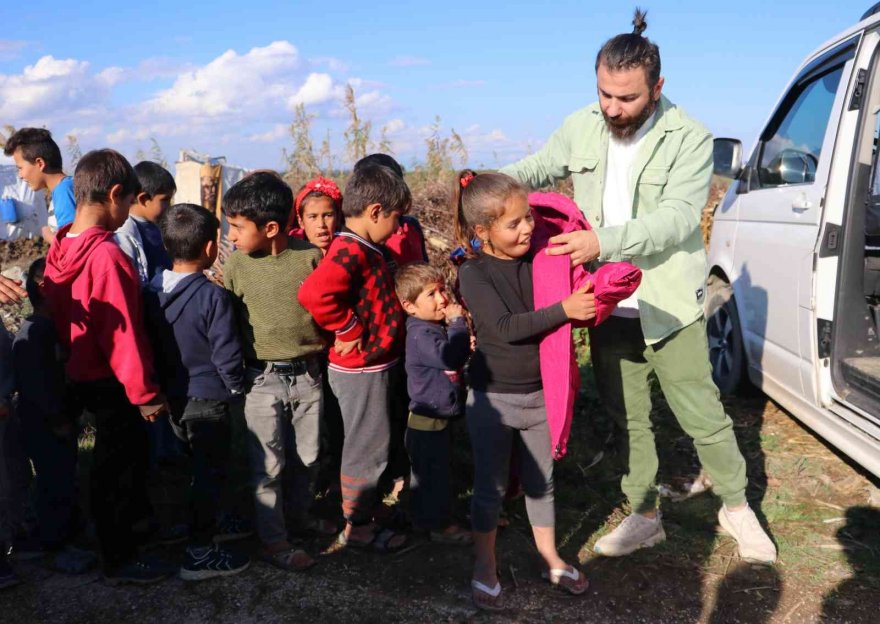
column 636, row 531
column 755, row 545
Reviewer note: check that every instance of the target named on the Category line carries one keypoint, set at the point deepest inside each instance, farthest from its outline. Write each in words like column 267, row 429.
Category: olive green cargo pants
column 622, row 363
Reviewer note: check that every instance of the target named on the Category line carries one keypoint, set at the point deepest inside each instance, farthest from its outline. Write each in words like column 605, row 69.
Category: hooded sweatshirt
column 195, row 336
column 95, row 297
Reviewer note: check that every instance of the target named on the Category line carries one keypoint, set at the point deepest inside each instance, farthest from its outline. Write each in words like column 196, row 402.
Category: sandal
column 290, row 559
column 453, row 535
column 487, row 598
column 380, row 542
column 568, row 579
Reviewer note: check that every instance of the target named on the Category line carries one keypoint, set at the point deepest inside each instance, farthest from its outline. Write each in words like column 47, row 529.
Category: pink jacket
column 553, row 280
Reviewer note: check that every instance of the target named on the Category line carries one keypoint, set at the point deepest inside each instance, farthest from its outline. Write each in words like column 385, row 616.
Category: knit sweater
column 352, row 294
column 272, row 323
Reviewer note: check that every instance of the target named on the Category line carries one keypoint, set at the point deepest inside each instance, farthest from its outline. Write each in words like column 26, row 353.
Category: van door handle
column 801, row 203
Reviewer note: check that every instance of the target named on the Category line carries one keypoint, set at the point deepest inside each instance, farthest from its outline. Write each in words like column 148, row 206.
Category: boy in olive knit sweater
column 282, row 349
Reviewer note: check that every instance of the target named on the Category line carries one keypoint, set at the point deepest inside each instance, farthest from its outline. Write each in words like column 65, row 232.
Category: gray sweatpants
column 283, row 414
column 492, row 420
column 365, row 401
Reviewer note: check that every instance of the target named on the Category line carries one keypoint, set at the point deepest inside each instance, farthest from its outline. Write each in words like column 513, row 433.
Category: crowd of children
column 341, row 341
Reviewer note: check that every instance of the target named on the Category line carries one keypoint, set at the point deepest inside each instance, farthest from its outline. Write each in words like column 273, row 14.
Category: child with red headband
column 317, row 213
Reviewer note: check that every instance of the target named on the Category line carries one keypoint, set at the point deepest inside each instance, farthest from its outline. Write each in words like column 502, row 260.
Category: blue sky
column 223, row 78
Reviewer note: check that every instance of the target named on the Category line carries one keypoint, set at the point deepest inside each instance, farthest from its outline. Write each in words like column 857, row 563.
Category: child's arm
column 449, row 354
column 116, row 315
column 326, row 293
column 225, row 343
column 33, row 355
column 485, row 304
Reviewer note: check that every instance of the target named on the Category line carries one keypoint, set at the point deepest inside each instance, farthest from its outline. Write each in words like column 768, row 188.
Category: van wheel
column 724, row 333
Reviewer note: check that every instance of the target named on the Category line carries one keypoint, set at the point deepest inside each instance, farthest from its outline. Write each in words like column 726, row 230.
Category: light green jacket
column 670, row 182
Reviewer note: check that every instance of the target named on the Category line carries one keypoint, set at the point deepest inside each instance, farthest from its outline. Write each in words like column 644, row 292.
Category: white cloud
column 394, row 126
column 317, row 89
column 278, row 131
column 231, row 84
column 409, row 61
column 48, row 86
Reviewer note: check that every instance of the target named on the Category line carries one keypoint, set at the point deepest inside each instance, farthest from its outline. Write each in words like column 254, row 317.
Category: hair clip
column 466, row 179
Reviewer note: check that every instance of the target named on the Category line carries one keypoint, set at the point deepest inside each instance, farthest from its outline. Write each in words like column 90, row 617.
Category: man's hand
column 11, row 291
column 583, row 246
column 344, row 348
column 154, row 410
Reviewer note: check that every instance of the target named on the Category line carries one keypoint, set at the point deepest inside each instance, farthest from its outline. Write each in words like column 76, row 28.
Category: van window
column 790, row 155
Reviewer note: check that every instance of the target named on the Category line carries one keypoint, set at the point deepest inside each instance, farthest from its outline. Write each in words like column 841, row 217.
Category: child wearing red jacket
column 95, row 297
column 352, row 294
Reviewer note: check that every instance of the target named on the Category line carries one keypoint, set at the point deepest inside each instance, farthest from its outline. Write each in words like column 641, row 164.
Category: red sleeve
column 116, row 310
column 326, row 293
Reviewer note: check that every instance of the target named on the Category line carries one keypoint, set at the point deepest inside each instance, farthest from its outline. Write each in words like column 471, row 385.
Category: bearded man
column 641, row 170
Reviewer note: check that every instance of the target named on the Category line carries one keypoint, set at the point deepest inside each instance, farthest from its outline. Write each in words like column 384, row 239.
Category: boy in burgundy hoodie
column 95, row 296
column 351, row 293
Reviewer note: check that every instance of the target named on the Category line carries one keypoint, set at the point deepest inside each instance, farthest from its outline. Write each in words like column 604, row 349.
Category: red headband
column 466, row 179
column 318, row 185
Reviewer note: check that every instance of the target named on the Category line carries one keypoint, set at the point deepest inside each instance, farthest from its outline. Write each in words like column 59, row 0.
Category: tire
column 724, row 333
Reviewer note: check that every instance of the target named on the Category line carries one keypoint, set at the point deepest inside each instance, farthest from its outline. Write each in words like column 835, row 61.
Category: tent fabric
column 30, row 206
column 553, row 280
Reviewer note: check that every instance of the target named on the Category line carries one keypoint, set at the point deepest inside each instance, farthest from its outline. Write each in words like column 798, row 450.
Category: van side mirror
column 727, row 154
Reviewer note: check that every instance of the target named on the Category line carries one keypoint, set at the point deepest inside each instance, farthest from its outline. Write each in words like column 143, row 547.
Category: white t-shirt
column 617, row 198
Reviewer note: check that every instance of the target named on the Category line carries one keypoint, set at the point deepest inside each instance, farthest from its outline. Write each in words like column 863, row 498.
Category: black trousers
column 203, row 425
column 120, row 458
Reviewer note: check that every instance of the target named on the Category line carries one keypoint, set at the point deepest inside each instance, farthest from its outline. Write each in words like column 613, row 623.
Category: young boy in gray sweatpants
column 282, row 348
column 352, row 294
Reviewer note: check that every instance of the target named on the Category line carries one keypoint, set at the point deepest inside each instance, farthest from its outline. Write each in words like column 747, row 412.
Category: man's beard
column 629, row 128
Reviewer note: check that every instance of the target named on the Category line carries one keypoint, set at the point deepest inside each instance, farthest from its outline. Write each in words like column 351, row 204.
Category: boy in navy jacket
column 199, row 353
column 435, row 354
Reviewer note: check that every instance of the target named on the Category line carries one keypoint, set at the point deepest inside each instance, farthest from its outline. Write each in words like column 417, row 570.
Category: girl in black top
column 506, row 394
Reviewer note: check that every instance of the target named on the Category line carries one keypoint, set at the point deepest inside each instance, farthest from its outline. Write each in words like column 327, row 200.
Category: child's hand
column 581, row 304
column 452, row 311
column 344, row 348
column 154, row 410
column 11, row 291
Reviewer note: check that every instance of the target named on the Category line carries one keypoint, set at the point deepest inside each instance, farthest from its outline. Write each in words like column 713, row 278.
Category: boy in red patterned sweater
column 352, row 294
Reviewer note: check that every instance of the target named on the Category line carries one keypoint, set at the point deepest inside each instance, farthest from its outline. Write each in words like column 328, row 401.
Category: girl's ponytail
column 464, row 231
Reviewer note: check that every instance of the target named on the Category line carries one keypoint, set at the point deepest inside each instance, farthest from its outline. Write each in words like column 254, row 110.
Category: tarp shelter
column 29, row 206
column 203, row 180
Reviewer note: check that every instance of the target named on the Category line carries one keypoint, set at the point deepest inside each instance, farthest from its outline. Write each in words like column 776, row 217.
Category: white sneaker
column 755, row 545
column 636, row 531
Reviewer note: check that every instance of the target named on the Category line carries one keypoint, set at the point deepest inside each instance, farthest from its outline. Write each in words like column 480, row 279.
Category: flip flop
column 568, row 579
column 286, row 559
column 380, row 542
column 494, row 593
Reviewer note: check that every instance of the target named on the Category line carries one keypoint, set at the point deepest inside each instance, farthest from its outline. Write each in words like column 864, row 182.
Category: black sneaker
column 231, row 527
column 204, row 563
column 141, row 571
column 8, row 578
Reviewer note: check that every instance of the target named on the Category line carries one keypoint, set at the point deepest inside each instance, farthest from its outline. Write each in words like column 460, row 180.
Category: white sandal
column 492, row 592
column 556, row 577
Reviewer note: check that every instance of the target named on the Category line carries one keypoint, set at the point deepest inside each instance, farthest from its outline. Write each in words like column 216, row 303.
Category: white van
column 794, row 263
